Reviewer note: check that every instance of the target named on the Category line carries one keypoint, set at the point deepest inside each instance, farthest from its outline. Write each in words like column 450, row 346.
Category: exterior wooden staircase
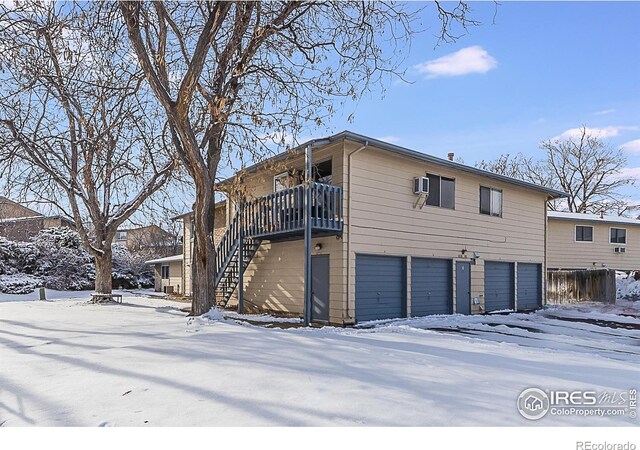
column 277, row 216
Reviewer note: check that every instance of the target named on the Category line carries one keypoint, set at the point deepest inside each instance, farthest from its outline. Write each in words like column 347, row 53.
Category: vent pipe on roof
column 450, row 155
column 602, row 214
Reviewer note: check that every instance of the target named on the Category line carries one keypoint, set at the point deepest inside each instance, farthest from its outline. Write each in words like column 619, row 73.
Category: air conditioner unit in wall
column 421, row 185
column 619, row 249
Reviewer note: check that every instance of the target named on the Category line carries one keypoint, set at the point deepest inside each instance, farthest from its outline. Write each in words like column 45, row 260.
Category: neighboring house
column 589, row 241
column 168, row 274
column 152, row 239
column 19, row 223
column 379, row 250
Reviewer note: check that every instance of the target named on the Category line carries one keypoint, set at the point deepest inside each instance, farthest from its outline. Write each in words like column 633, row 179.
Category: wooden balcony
column 281, row 215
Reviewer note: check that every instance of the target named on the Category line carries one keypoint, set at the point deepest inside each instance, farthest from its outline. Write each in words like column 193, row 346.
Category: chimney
column 602, row 214
column 450, row 155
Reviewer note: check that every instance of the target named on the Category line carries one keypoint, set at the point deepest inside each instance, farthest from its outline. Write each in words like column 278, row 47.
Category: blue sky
column 541, row 69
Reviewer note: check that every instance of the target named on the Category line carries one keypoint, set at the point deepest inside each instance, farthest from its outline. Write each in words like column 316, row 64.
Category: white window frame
column 625, row 236
column 593, row 236
column 162, row 272
column 278, row 176
column 491, row 190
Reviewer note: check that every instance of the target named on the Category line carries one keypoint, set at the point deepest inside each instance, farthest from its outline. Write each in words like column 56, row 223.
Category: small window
column 618, row 236
column 584, row 234
column 121, row 236
column 442, row 192
column 282, row 181
column 490, row 201
column 164, row 272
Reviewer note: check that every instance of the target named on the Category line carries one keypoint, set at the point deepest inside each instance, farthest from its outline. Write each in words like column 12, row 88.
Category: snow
column 627, row 286
column 144, row 362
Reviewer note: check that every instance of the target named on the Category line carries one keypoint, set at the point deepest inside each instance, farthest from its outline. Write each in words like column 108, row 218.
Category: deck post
column 307, row 236
column 241, row 261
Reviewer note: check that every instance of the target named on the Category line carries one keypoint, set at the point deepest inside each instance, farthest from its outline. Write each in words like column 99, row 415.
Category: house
column 168, row 274
column 19, row 223
column 392, row 233
column 151, row 239
column 590, row 241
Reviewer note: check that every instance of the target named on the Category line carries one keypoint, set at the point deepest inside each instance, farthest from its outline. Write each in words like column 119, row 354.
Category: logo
column 533, row 404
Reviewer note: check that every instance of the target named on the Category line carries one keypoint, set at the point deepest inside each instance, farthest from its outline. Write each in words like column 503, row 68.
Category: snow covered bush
column 56, row 259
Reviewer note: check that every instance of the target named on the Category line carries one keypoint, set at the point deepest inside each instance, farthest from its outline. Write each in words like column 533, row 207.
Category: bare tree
column 587, row 169
column 76, row 125
column 229, row 74
column 583, row 166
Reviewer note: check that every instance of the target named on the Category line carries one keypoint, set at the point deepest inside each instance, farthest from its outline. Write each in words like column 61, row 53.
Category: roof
column 559, row 215
column 354, row 137
column 33, row 218
column 190, row 213
column 168, row 259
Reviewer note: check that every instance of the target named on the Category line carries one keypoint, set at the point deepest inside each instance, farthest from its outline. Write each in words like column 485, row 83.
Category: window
column 322, row 172
column 618, row 236
column 282, row 181
column 442, row 191
column 584, row 234
column 121, row 236
column 490, row 201
column 164, row 272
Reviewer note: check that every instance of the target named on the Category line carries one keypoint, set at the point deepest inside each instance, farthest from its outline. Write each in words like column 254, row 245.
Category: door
column 463, row 287
column 431, row 286
column 529, row 286
column 380, row 287
column 320, row 288
column 498, row 286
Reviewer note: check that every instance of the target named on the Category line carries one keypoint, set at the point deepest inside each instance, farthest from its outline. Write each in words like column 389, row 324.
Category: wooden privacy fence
column 571, row 286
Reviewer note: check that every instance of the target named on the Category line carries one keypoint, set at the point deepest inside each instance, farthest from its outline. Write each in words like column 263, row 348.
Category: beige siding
column 175, row 277
column 565, row 253
column 385, row 221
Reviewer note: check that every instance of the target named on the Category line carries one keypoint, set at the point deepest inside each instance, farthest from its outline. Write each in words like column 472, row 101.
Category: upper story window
column 164, row 272
column 618, row 236
column 490, row 201
column 584, row 234
column 282, row 181
column 442, row 191
column 121, row 236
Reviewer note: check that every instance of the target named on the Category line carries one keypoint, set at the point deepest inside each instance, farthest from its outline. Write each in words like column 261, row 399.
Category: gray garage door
column 431, row 286
column 380, row 292
column 529, row 286
column 498, row 286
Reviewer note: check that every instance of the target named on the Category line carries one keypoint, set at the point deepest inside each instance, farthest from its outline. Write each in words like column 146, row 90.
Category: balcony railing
column 283, row 212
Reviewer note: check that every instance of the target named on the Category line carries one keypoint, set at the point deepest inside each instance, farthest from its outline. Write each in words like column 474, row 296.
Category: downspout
column 349, row 294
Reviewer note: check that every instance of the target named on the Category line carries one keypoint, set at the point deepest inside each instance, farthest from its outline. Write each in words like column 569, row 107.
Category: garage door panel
column 380, row 291
column 498, row 286
column 431, row 286
column 529, row 286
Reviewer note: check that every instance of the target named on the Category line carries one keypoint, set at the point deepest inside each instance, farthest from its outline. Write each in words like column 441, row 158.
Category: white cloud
column 601, row 133
column 631, row 146
column 390, row 139
column 473, row 59
column 630, row 172
column 604, row 112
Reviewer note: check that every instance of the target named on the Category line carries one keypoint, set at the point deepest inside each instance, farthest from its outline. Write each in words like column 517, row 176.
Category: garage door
column 380, row 287
column 529, row 286
column 498, row 286
column 431, row 286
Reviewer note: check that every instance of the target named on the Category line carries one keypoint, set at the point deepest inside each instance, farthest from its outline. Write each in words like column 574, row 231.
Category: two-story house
column 589, row 241
column 394, row 233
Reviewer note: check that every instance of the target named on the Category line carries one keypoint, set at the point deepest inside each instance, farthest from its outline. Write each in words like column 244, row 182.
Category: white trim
column 575, row 230
column 279, row 175
column 618, row 243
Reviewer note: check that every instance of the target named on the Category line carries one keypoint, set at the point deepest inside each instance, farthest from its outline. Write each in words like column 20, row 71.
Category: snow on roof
column 592, row 218
column 168, row 259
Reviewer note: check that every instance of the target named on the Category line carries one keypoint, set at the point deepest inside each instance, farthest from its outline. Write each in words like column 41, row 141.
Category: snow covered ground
column 67, row 362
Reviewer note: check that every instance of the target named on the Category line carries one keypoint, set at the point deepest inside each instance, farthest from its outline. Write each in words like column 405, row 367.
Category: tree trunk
column 104, row 264
column 204, row 256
